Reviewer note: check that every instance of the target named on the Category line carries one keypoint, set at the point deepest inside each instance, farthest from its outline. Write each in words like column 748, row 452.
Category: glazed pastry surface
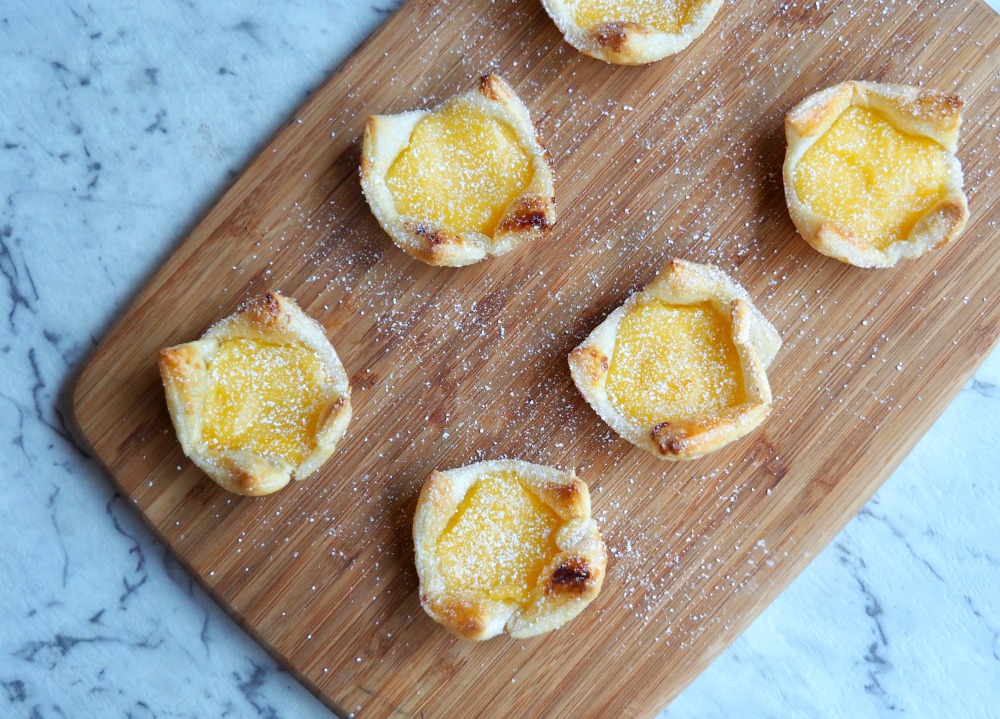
column 631, row 32
column 466, row 180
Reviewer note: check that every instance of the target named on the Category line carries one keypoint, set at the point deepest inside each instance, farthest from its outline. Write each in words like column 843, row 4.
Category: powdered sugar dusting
column 453, row 366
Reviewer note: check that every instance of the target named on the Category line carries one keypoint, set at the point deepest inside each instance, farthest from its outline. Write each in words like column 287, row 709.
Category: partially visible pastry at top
column 464, row 181
column 261, row 398
column 631, row 32
column 870, row 172
column 506, row 546
column 679, row 368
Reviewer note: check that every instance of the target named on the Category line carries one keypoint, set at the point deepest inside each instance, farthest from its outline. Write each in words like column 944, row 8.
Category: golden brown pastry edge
column 629, row 43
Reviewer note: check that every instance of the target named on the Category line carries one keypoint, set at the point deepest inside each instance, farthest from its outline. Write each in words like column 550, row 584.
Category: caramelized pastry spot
column 871, row 179
column 674, row 361
column 265, row 398
column 615, row 35
column 529, row 213
column 570, row 575
column 667, row 16
column 461, row 169
column 499, row 540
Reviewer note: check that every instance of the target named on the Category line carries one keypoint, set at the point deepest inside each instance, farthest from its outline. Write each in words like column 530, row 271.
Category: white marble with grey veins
column 120, row 122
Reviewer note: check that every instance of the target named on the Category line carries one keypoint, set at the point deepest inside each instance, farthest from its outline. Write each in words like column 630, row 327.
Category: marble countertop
column 120, row 123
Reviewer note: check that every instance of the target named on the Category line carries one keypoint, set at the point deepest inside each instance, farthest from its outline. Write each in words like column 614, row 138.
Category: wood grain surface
column 680, row 158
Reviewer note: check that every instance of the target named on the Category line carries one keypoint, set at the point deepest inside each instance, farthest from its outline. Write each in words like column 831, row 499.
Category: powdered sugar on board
column 448, row 367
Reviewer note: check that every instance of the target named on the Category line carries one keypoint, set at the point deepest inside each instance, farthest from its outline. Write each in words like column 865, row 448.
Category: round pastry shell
column 629, row 43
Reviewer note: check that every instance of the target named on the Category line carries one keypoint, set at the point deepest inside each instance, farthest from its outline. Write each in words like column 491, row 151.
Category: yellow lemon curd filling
column 871, row 179
column 667, row 16
column 674, row 361
column 461, row 170
column 265, row 398
column 499, row 540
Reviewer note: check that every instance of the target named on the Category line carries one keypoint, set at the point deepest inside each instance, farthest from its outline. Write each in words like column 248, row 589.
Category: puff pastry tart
column 631, row 32
column 261, row 398
column 678, row 369
column 464, row 181
column 870, row 172
column 506, row 546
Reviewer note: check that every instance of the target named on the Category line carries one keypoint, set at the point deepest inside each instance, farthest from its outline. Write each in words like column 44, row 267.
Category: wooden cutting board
column 681, row 158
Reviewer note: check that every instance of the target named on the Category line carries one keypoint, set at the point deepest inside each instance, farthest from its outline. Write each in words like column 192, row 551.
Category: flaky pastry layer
column 623, row 42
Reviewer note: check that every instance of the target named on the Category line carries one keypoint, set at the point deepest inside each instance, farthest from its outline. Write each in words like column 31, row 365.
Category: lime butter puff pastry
column 506, row 546
column 464, row 181
column 260, row 398
column 870, row 174
column 679, row 368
